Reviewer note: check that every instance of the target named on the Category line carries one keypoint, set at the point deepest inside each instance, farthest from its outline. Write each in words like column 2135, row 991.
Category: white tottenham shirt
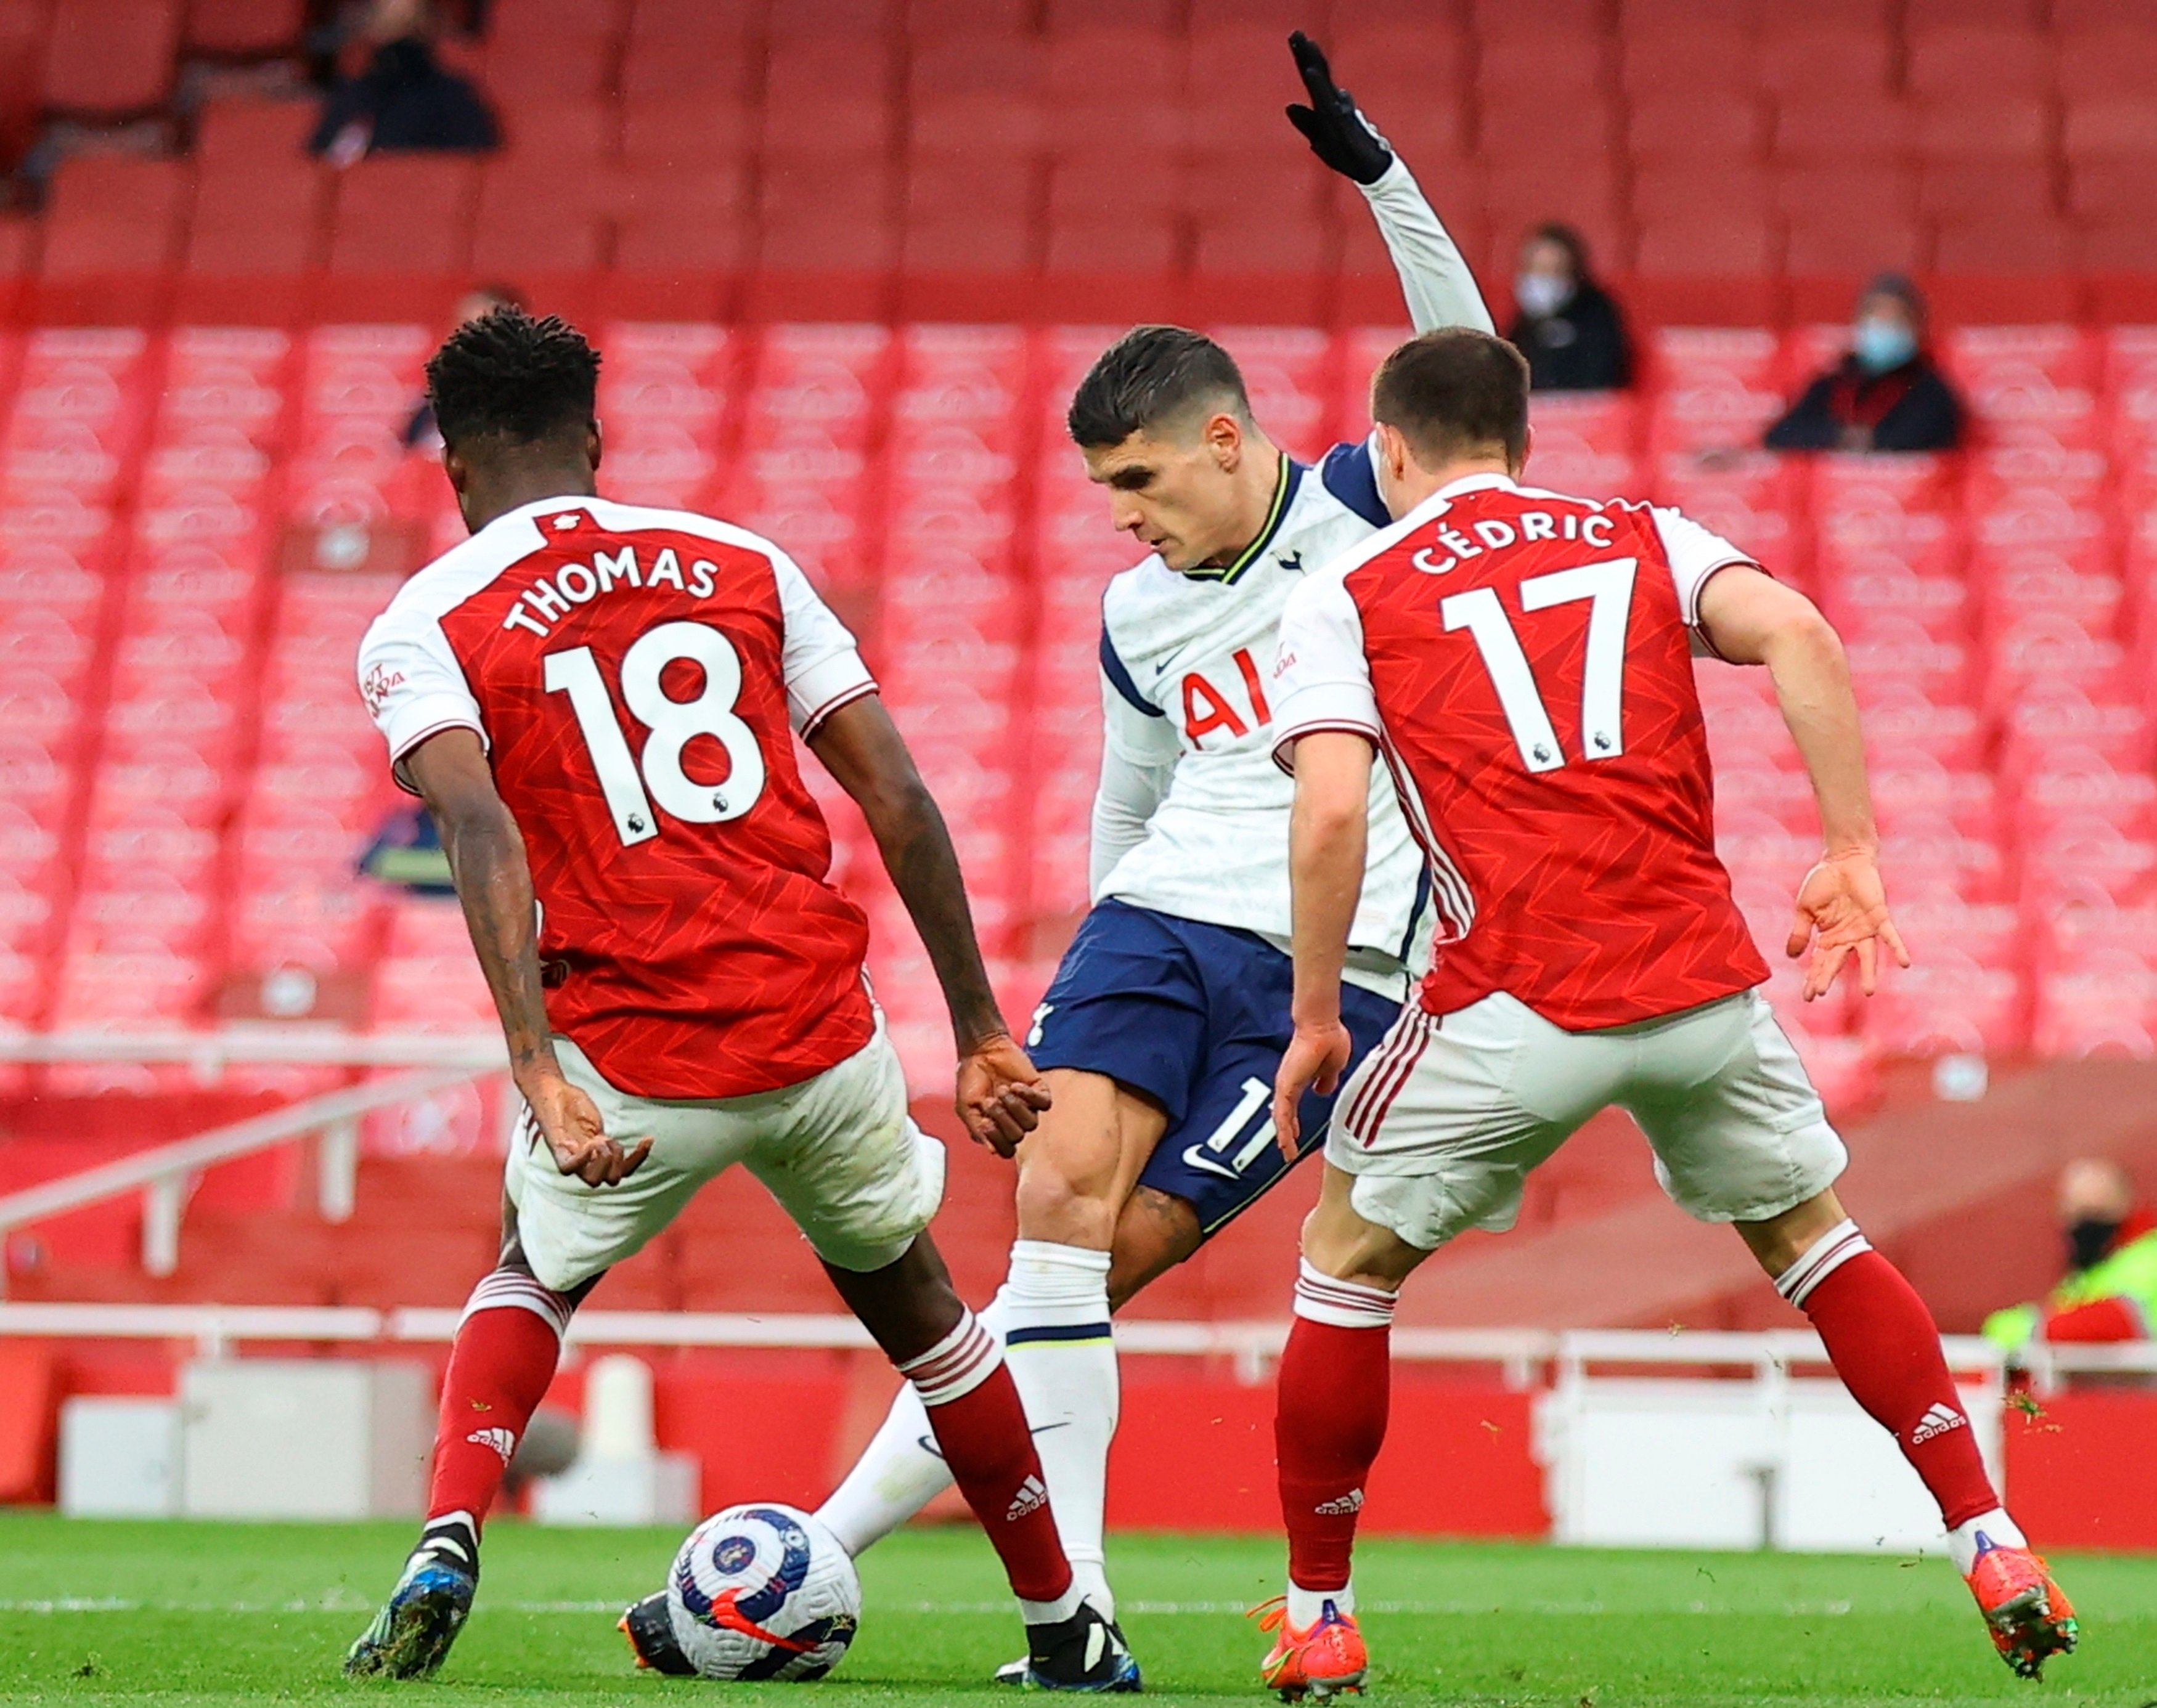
column 1192, row 819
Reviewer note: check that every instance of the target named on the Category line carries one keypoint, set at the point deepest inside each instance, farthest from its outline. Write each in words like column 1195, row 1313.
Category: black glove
column 1338, row 134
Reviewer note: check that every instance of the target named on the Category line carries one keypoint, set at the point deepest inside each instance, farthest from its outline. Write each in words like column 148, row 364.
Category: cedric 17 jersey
column 1523, row 660
column 636, row 675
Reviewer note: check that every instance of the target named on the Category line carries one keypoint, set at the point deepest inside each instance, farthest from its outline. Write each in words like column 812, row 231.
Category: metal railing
column 166, row 1175
column 1529, row 1357
column 210, row 1051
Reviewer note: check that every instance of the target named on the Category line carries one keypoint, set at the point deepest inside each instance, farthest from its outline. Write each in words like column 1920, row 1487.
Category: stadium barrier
column 165, row 1174
column 1696, row 1438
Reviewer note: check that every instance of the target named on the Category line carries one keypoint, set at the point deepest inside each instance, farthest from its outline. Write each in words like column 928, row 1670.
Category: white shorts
column 839, row 1151
column 1443, row 1122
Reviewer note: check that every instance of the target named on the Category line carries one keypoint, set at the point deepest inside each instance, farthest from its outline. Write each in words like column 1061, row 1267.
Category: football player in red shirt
column 1523, row 662
column 598, row 704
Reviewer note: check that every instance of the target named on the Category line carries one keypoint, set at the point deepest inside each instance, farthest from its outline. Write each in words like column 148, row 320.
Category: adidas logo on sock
column 1351, row 1502
column 502, row 1441
column 1032, row 1497
column 1937, row 1422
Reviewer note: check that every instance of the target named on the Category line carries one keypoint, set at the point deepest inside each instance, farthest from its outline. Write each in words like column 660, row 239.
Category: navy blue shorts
column 1195, row 1017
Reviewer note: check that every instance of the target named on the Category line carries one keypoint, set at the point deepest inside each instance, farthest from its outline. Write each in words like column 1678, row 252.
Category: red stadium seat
column 1962, row 59
column 244, row 28
column 791, row 21
column 113, row 213
column 1848, row 220
column 565, row 58
column 1958, row 191
column 2111, row 58
column 1060, row 15
column 1513, row 127
column 1498, row 19
column 1840, row 122
column 1802, row 56
column 256, row 216
column 1985, row 124
column 110, row 58
column 1676, row 127
column 1117, row 83
column 1717, row 245
column 1570, row 66
column 1948, row 1002
column 1918, row 793
column 404, row 214
column 2107, row 126
column 535, row 218
column 931, row 23
column 1665, row 61
column 2107, row 191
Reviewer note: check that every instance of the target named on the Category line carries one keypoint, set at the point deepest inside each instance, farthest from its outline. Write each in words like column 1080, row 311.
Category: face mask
column 2088, row 1242
column 1542, row 294
column 1882, row 344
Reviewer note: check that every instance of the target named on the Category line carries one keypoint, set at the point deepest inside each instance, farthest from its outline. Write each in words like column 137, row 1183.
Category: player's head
column 517, row 402
column 1165, row 424
column 1449, row 403
column 1889, row 326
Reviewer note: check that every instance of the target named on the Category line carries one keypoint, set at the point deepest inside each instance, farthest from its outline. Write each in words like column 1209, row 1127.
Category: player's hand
column 1315, row 1057
column 1338, row 134
column 569, row 1121
column 1000, row 1096
column 1842, row 909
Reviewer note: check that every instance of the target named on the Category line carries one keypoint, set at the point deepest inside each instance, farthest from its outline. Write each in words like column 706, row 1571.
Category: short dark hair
column 1454, row 392
column 1148, row 377
column 1569, row 239
column 508, row 375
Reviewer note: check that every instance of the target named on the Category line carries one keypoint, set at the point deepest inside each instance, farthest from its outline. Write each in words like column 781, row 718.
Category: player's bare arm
column 493, row 878
column 1000, row 1096
column 1842, row 905
column 1328, row 830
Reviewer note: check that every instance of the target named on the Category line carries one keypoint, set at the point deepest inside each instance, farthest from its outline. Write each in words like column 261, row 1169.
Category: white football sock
column 1305, row 1606
column 1059, row 1352
column 900, row 1471
column 1998, row 1528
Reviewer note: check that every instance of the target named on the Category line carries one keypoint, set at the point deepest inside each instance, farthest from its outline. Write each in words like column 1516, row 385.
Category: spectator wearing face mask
column 404, row 99
column 1568, row 326
column 2110, row 1290
column 1886, row 395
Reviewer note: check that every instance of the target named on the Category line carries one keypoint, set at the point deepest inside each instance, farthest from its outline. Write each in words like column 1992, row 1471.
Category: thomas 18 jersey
column 634, row 674
column 1523, row 662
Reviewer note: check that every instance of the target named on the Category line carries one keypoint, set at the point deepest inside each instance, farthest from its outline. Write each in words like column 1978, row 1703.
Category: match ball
column 762, row 1592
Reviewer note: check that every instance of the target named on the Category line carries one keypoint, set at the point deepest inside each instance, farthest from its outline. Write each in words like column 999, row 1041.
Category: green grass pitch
column 182, row 1614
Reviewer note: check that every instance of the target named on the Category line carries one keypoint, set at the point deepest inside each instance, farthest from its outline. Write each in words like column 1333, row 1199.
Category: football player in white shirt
column 1161, row 1032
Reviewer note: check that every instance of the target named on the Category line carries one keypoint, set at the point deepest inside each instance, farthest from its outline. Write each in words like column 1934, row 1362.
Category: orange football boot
column 1329, row 1660
column 2029, row 1618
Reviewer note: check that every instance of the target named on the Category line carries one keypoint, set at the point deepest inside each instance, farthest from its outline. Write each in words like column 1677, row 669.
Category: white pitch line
column 342, row 1605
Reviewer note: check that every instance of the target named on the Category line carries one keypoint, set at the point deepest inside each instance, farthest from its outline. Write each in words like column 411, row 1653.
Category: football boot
column 2029, row 1616
column 410, row 1637
column 1328, row 1659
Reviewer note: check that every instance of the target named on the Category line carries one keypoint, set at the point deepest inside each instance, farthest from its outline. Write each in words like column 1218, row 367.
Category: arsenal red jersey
column 636, row 675
column 1523, row 662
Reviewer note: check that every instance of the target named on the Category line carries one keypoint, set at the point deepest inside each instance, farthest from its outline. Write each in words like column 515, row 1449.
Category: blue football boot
column 1085, row 1653
column 410, row 1637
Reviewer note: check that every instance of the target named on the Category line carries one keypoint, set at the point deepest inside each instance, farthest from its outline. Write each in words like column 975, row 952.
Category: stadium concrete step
column 1959, row 1195
column 425, row 1228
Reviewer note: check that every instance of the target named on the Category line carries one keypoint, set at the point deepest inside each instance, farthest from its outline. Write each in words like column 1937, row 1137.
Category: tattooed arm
column 1000, row 1095
column 487, row 863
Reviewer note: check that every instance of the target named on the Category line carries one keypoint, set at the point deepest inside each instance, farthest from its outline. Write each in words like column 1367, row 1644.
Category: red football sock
column 981, row 1425
column 506, row 1350
column 1329, row 1421
column 1886, row 1347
